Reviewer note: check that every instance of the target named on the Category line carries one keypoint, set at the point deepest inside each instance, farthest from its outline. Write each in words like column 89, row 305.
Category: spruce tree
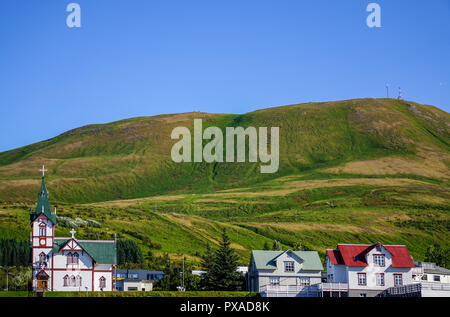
column 207, row 264
column 223, row 270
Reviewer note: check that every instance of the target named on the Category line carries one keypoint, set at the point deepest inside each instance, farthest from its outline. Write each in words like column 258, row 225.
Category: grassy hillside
column 350, row 171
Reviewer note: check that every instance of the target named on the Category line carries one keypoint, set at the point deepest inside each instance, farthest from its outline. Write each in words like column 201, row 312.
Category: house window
column 437, row 278
column 304, row 281
column 362, row 279
column 73, row 281
column 380, row 279
column 398, row 279
column 379, row 259
column 102, row 282
column 275, row 280
column 42, row 230
column 132, row 275
column 424, row 277
column 66, row 280
column 289, row 266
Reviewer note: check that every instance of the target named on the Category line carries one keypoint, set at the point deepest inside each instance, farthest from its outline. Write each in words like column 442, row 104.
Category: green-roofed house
column 285, row 273
column 67, row 264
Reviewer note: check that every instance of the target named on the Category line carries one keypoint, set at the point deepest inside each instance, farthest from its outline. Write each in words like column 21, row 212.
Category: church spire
column 43, row 204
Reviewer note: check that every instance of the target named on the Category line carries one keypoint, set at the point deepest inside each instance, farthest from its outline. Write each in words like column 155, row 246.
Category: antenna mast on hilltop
column 400, row 97
column 387, row 90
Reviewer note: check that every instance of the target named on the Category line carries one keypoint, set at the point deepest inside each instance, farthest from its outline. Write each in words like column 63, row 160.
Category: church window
column 75, row 258
column 102, row 282
column 66, row 280
column 69, row 258
column 73, row 281
column 78, row 280
column 42, row 230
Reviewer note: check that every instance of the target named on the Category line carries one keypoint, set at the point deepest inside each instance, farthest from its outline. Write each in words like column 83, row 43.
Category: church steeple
column 43, row 204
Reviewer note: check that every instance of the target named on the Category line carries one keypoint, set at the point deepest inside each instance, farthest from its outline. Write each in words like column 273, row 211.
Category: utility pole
column 387, row 90
column 7, row 275
column 183, row 274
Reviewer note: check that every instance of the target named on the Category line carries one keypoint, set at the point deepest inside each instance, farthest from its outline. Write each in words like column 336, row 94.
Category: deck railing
column 289, row 291
column 334, row 287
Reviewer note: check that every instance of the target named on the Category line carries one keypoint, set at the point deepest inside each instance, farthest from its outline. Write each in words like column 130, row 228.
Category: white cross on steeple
column 73, row 233
column 43, row 170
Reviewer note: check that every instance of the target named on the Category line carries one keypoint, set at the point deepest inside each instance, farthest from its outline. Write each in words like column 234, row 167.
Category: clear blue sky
column 146, row 57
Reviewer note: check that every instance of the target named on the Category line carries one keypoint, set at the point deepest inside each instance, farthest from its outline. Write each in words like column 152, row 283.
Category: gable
column 71, row 245
column 266, row 260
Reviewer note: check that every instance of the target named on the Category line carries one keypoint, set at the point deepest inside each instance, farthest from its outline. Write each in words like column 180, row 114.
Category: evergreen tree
column 128, row 252
column 223, row 270
column 207, row 264
column 276, row 245
column 266, row 246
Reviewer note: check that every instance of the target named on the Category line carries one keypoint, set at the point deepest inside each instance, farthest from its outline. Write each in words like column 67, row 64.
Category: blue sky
column 146, row 57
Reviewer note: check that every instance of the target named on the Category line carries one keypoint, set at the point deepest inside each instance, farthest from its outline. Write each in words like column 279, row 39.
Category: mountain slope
column 131, row 158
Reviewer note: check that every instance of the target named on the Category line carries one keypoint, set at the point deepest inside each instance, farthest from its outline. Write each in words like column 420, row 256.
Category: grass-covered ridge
column 356, row 171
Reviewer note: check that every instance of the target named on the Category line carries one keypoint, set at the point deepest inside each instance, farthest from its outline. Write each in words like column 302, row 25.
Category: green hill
column 350, row 171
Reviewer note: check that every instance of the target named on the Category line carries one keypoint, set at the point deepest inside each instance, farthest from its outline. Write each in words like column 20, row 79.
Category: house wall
column 137, row 285
column 336, row 273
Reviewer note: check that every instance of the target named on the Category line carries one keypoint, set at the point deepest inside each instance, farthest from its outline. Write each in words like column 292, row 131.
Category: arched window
column 73, row 281
column 69, row 258
column 75, row 258
column 42, row 230
column 66, row 280
column 102, row 282
column 78, row 280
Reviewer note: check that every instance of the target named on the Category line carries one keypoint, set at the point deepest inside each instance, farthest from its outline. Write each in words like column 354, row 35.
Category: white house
column 67, row 264
column 358, row 270
column 285, row 273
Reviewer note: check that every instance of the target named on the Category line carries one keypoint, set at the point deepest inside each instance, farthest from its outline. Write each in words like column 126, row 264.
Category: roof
column 354, row 255
column 43, row 205
column 103, row 252
column 266, row 260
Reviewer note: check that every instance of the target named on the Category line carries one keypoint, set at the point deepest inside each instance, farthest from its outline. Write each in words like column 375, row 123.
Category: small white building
column 358, row 270
column 67, row 264
column 431, row 273
column 285, row 273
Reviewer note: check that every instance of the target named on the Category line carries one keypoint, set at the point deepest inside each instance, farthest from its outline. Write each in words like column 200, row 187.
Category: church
column 67, row 264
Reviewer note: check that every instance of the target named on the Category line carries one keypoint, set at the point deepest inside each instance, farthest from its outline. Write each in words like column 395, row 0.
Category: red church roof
column 354, row 255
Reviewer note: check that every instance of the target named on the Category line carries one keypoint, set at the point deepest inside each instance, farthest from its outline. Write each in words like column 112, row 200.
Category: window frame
column 274, row 278
column 365, row 279
column 375, row 262
column 383, row 277
column 102, row 282
column 287, row 265
column 396, row 275
column 42, row 230
column 66, row 280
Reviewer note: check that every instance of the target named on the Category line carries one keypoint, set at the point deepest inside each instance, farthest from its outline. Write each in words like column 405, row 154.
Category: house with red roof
column 363, row 270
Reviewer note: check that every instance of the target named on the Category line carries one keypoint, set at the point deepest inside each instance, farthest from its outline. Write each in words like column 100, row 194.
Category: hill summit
column 131, row 158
